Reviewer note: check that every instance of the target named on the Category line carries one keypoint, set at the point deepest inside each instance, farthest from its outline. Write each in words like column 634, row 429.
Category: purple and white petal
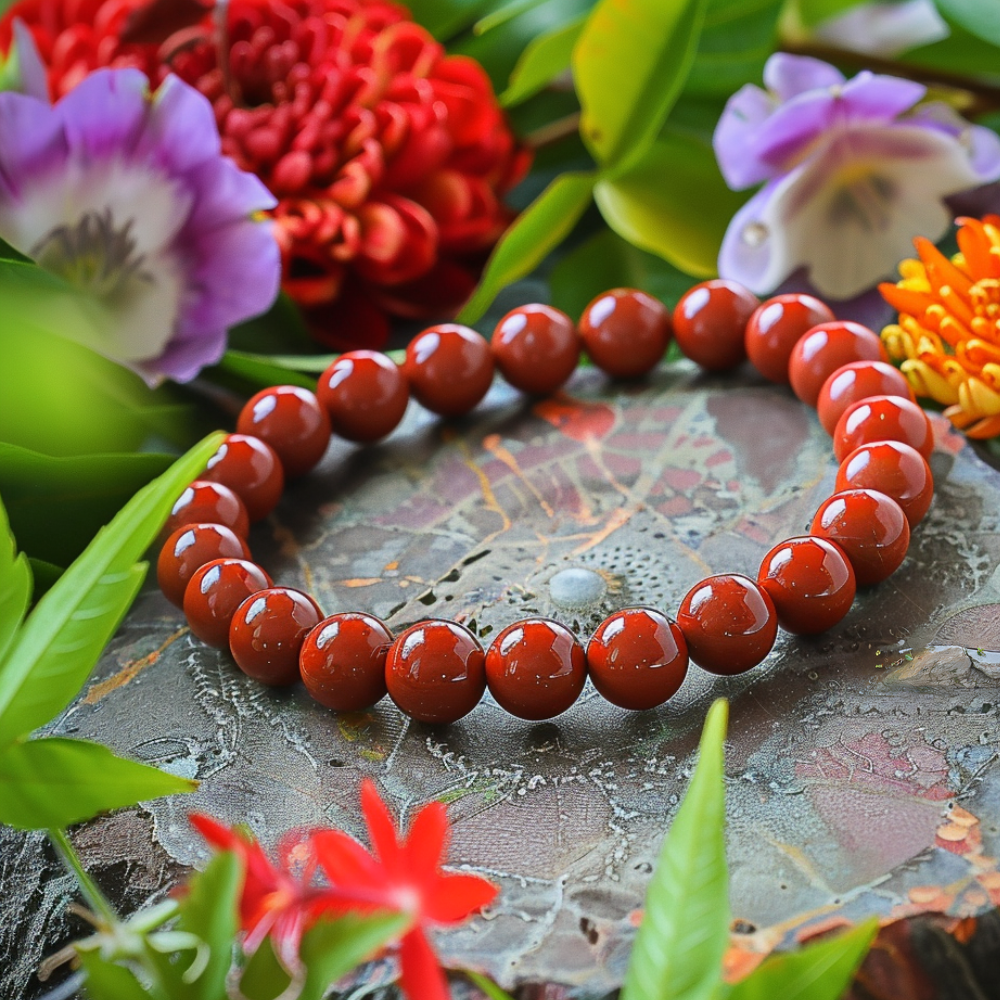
column 786, row 136
column 873, row 97
column 104, row 114
column 180, row 128
column 30, row 68
column 751, row 252
column 735, row 137
column 983, row 144
column 787, row 76
column 33, row 143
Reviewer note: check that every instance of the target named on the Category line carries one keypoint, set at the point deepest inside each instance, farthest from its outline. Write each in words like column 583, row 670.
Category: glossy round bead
column 857, row 381
column 883, row 418
column 209, row 503
column 449, row 368
column 824, row 349
column 434, row 672
column 710, row 323
column 342, row 661
column 536, row 669
column 214, row 593
column 625, row 332
column 892, row 468
column 290, row 420
column 251, row 469
column 637, row 658
column 776, row 326
column 189, row 548
column 729, row 623
column 267, row 632
column 364, row 394
column 870, row 527
column 810, row 582
column 536, row 348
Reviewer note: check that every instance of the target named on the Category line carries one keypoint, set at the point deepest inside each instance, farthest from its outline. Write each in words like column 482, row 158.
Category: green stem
column 88, row 886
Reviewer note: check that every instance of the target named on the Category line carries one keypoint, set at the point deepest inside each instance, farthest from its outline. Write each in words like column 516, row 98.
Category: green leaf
column 44, row 575
column 209, row 910
column 542, row 61
column 490, row 988
column 541, row 227
column 445, row 18
column 15, row 585
column 673, row 202
column 607, row 261
column 820, row 971
column 685, row 927
column 64, row 635
column 55, row 782
column 736, row 40
column 57, row 504
column 630, row 64
column 978, row 18
column 962, row 53
column 264, row 977
column 109, row 981
column 259, row 369
column 504, row 13
column 333, row 948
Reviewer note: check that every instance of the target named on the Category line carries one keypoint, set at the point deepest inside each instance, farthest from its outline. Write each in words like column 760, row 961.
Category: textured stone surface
column 848, row 755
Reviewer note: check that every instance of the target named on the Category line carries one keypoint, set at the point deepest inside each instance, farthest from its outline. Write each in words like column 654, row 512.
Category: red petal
column 347, row 864
column 219, row 836
column 425, row 842
column 456, row 897
column 381, row 829
column 422, row 978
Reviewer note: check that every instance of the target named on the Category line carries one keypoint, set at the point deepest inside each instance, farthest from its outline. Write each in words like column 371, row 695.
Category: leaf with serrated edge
column 630, row 65
column 542, row 60
column 820, row 971
column 333, row 947
column 60, row 641
column 209, row 910
column 541, row 227
column 685, row 926
column 15, row 585
column 53, row 782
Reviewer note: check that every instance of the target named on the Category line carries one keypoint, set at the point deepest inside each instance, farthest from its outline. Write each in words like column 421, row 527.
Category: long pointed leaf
column 60, row 642
column 54, row 782
column 15, row 585
column 543, row 59
column 820, row 971
column 685, row 927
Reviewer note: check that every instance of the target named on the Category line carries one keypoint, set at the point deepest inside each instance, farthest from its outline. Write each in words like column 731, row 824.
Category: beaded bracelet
column 437, row 671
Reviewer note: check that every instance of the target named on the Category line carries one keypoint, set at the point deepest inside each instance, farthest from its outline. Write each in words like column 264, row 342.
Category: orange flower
column 948, row 334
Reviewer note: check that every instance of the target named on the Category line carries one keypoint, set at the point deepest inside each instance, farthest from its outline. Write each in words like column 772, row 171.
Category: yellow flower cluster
column 948, row 334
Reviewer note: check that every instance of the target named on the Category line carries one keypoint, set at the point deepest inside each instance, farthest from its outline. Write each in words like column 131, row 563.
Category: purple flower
column 852, row 171
column 126, row 195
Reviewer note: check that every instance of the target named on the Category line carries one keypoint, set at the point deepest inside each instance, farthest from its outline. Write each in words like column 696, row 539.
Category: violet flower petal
column 105, row 113
column 180, row 129
column 788, row 76
column 735, row 134
column 34, row 78
column 33, row 143
column 874, row 97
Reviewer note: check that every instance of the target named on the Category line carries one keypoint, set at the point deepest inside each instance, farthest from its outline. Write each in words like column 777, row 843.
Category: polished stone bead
column 188, row 549
column 824, row 349
column 214, row 593
column 342, row 661
column 209, row 503
column 892, row 468
column 267, row 632
column 857, row 381
column 449, row 368
column 625, row 332
column 365, row 395
column 883, row 418
column 710, row 323
column 251, row 469
column 290, row 420
column 536, row 348
column 776, row 326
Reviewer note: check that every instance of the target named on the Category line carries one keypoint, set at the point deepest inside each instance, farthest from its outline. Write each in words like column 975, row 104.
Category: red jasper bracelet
column 437, row 671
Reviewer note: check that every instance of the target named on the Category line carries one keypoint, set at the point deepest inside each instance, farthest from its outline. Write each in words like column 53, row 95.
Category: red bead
column 824, row 349
column 290, row 420
column 342, row 661
column 883, row 418
column 870, row 527
column 267, row 632
column 365, row 395
column 710, row 323
column 449, row 368
column 214, row 593
column 637, row 658
column 536, row 348
column 892, row 468
column 625, row 332
column 776, row 327
column 855, row 382
column 251, row 469
column 729, row 623
column 189, row 548
column 434, row 672
column 810, row 582
column 209, row 503
column 536, row 669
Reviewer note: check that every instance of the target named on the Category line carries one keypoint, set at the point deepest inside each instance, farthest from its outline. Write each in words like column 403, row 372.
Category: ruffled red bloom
column 389, row 158
column 406, row 876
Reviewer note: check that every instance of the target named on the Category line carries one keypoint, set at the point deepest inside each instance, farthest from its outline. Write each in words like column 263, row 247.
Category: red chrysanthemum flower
column 389, row 158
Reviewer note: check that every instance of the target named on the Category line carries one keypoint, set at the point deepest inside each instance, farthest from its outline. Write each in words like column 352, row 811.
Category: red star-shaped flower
column 405, row 875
